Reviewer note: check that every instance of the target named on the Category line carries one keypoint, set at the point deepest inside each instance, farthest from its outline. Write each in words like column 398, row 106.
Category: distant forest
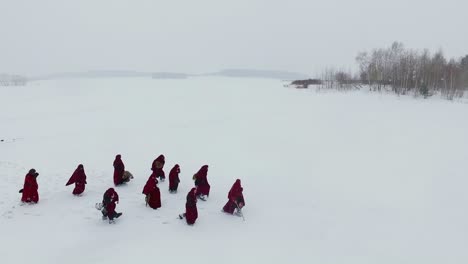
column 12, row 80
column 400, row 70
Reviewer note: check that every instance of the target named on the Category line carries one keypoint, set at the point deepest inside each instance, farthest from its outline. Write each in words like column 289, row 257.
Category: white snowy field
column 328, row 177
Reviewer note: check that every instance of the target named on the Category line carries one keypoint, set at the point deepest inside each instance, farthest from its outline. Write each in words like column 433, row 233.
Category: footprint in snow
column 8, row 214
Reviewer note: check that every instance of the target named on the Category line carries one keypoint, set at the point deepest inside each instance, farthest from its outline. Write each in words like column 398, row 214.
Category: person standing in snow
column 79, row 179
column 30, row 188
column 119, row 170
column 157, row 167
column 151, row 190
column 201, row 182
column 235, row 199
column 191, row 212
column 174, row 179
column 109, row 200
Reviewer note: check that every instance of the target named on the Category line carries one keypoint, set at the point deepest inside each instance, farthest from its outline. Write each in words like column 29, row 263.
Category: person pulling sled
column 236, row 199
column 174, row 179
column 152, row 193
column 157, row 167
column 191, row 212
column 121, row 176
column 201, row 183
column 107, row 207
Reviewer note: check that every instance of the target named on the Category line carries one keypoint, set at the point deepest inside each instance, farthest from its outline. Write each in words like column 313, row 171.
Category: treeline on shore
column 12, row 80
column 400, row 70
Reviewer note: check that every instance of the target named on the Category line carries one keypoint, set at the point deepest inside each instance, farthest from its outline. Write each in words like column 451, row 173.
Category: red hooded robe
column 158, row 165
column 174, row 178
column 109, row 199
column 119, row 169
column 201, row 181
column 30, row 193
column 235, row 197
column 191, row 212
column 151, row 190
column 79, row 179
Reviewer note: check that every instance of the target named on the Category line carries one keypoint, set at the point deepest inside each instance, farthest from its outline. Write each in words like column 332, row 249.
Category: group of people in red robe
column 150, row 190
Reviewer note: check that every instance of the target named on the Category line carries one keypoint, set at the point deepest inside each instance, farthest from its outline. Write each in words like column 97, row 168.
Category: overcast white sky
column 196, row 36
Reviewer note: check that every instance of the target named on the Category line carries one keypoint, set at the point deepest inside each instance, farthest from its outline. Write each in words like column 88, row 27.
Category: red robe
column 119, row 169
column 30, row 188
column 236, row 198
column 174, row 178
column 191, row 212
column 158, row 165
column 201, row 181
column 109, row 200
column 79, row 179
column 151, row 190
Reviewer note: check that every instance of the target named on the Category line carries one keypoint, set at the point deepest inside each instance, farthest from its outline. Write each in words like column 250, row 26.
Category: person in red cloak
column 151, row 190
column 79, row 179
column 236, row 198
column 109, row 200
column 191, row 212
column 157, row 167
column 119, row 170
column 174, row 179
column 30, row 187
column 201, row 182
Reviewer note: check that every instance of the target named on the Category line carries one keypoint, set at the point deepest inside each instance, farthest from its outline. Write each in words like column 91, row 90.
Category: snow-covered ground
column 328, row 177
